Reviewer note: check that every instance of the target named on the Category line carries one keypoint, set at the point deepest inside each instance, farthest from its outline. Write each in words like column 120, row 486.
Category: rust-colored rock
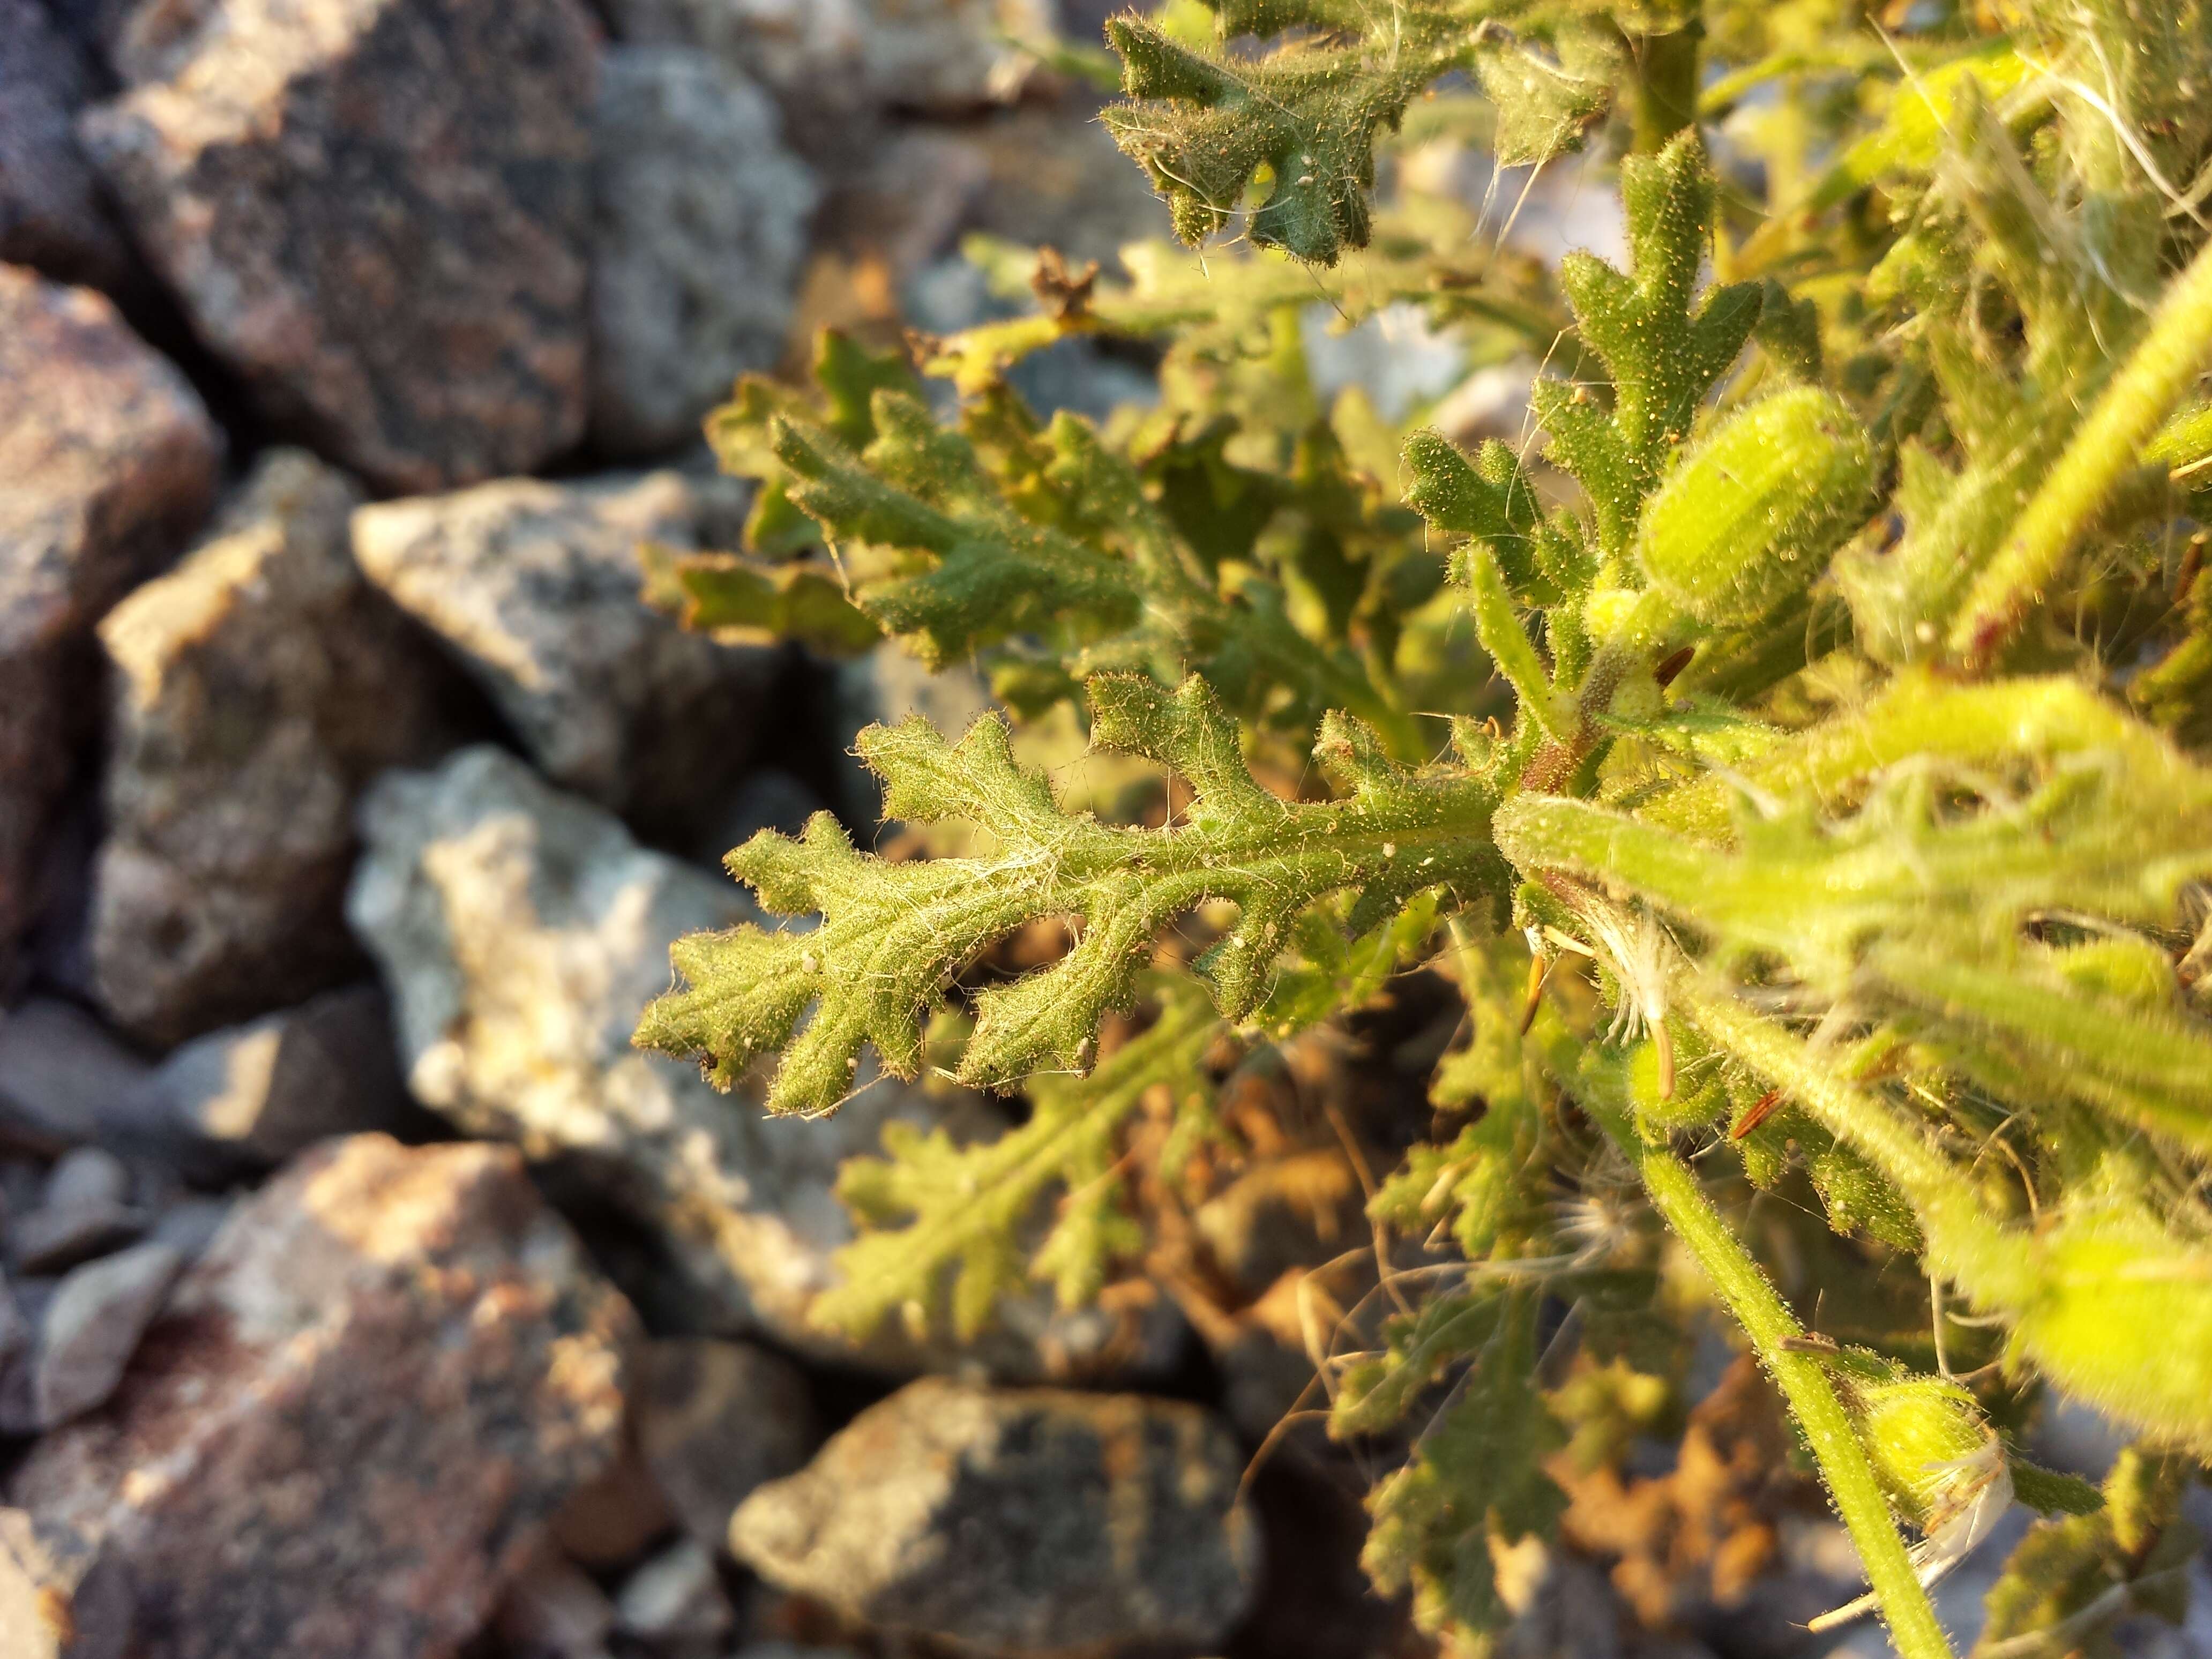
column 378, row 212
column 108, row 463
column 351, row 1426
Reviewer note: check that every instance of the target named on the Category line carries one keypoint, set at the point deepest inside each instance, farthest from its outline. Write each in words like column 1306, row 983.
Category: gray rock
column 716, row 1420
column 699, row 232
column 107, row 464
column 1031, row 1519
column 56, row 1237
column 521, row 931
column 189, row 1225
column 836, row 65
column 554, row 1611
column 51, row 217
column 252, row 1096
column 256, row 688
column 377, row 211
column 60, row 1597
column 16, row 1331
column 87, row 1336
column 534, row 587
column 88, row 1174
column 675, row 1601
column 347, row 1432
column 65, row 1080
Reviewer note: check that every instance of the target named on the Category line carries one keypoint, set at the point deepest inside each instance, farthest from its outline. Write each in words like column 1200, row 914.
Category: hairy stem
column 1666, row 86
column 2109, row 443
column 1767, row 1321
column 1965, row 1244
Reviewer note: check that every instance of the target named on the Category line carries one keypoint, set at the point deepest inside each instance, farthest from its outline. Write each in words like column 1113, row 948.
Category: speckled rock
column 835, row 65
column 533, row 586
column 377, row 211
column 699, row 230
column 51, row 216
column 107, row 464
column 347, row 1431
column 256, row 687
column 1034, row 1520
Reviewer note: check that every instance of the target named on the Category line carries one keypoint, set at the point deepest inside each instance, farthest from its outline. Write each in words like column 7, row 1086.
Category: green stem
column 1666, row 85
column 1767, row 1321
column 1965, row 1243
column 2109, row 443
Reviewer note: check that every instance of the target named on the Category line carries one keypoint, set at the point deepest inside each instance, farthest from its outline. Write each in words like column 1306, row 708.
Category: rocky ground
column 365, row 1292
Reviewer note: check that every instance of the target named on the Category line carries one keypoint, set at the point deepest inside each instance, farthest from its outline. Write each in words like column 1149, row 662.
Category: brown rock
column 51, row 216
column 376, row 210
column 108, row 463
column 256, row 687
column 614, row 1520
column 350, row 1427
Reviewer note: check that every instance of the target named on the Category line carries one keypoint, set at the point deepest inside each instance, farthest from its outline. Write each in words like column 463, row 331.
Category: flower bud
column 1751, row 516
column 1929, row 1444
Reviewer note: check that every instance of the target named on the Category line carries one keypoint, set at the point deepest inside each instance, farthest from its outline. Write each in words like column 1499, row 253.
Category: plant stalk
column 2105, row 447
column 1666, row 85
column 1767, row 1321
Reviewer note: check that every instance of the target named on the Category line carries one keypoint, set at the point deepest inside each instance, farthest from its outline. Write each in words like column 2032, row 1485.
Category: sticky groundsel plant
column 1794, row 753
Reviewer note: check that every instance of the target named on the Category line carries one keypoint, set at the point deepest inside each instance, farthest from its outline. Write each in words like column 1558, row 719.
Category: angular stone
column 252, row 1096
column 837, row 64
column 56, row 1237
column 88, row 1334
column 51, row 217
column 377, row 211
column 65, row 1080
column 256, row 686
column 88, row 1174
column 108, row 463
column 347, row 1432
column 60, row 1598
column 534, row 587
column 521, row 931
column 700, row 221
column 716, row 1420
column 1030, row 1519
column 675, row 1601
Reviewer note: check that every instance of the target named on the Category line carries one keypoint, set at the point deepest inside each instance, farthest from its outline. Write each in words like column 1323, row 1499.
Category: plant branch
column 1851, row 1479
column 2108, row 444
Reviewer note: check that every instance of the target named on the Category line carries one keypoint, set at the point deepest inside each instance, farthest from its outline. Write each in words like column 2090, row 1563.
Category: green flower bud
column 1929, row 1443
column 1750, row 517
column 2126, row 969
